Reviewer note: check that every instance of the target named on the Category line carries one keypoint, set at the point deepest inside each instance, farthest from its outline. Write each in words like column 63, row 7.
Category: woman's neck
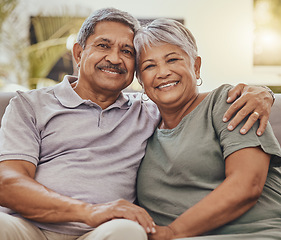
column 171, row 117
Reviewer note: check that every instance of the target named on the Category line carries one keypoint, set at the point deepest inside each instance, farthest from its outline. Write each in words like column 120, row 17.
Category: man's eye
column 128, row 52
column 102, row 45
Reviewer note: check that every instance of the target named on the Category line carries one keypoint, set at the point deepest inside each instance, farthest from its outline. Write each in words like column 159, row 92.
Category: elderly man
column 70, row 153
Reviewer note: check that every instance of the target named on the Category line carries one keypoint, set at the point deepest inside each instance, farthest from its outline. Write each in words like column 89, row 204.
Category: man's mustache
column 113, row 67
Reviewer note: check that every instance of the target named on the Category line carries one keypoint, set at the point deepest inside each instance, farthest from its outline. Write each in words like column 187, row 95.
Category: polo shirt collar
column 70, row 99
column 66, row 95
column 121, row 102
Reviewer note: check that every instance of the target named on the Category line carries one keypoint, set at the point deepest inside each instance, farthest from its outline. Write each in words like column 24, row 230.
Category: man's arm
column 20, row 192
column 252, row 101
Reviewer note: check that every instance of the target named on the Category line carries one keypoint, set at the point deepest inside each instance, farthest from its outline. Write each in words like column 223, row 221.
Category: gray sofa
column 275, row 117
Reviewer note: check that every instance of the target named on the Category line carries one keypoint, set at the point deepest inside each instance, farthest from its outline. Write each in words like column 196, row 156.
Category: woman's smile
column 167, row 85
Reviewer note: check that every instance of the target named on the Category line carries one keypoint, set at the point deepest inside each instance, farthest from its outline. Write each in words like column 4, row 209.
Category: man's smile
column 112, row 69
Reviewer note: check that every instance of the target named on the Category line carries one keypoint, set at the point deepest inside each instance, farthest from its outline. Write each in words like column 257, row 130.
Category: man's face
column 108, row 60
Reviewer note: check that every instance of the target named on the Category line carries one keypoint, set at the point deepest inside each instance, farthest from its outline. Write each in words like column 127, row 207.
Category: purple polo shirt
column 80, row 150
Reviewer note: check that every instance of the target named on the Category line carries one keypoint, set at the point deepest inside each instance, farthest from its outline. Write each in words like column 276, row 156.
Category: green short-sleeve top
column 184, row 164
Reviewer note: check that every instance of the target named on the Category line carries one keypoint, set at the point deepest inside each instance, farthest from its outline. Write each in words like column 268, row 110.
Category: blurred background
column 238, row 40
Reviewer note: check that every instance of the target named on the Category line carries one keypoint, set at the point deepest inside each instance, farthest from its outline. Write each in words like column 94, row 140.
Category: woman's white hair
column 162, row 31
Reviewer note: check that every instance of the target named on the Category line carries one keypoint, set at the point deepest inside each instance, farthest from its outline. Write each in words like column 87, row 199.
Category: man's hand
column 162, row 233
column 100, row 213
column 252, row 101
column 19, row 189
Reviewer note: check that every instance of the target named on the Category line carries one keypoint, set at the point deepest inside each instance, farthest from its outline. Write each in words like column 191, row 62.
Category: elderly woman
column 197, row 178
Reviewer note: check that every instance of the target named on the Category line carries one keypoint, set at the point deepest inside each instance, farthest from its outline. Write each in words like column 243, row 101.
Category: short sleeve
column 19, row 138
column 232, row 141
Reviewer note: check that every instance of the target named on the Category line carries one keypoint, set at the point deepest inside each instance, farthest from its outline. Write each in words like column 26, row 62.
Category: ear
column 197, row 66
column 77, row 53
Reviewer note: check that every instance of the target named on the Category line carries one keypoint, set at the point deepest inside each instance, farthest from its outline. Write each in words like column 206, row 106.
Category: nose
column 163, row 71
column 113, row 56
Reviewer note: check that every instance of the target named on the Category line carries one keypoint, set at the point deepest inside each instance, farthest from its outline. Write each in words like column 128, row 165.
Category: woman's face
column 167, row 75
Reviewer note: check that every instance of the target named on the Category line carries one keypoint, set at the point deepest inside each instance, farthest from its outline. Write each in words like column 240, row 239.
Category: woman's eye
column 147, row 67
column 173, row 60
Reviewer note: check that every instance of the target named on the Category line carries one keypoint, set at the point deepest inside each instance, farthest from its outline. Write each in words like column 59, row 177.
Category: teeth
column 107, row 71
column 168, row 85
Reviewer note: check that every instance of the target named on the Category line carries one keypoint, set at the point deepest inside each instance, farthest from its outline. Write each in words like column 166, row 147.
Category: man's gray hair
column 162, row 31
column 105, row 14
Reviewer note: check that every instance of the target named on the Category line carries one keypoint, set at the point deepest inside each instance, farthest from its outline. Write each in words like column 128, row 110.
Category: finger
column 124, row 209
column 146, row 225
column 240, row 115
column 234, row 107
column 147, row 218
column 235, row 92
column 262, row 126
column 140, row 215
column 147, row 222
column 136, row 217
column 250, row 122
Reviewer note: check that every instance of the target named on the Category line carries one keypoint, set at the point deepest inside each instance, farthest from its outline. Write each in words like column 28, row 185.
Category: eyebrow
column 104, row 40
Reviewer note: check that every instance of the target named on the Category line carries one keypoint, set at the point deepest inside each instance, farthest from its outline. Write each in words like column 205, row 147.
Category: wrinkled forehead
column 113, row 32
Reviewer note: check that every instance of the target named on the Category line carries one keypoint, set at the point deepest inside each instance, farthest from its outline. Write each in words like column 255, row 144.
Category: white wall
column 223, row 29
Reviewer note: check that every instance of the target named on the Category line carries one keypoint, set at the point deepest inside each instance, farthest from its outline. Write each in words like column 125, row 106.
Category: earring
column 144, row 99
column 199, row 81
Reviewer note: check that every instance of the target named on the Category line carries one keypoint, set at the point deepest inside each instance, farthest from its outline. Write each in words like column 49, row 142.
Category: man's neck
column 103, row 100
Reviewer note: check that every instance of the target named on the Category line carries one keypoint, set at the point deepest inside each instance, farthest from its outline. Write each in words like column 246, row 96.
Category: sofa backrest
column 275, row 116
column 4, row 101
